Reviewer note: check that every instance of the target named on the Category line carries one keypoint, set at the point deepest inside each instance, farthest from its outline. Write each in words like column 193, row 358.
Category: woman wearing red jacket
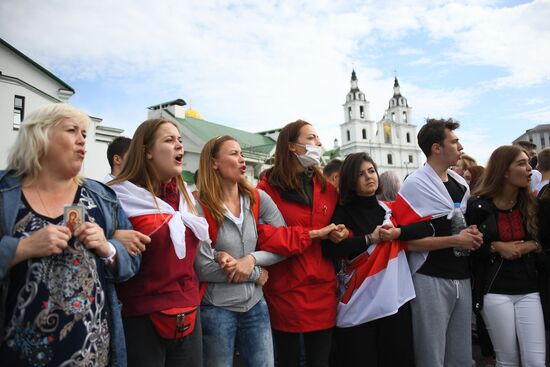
column 160, row 314
column 301, row 291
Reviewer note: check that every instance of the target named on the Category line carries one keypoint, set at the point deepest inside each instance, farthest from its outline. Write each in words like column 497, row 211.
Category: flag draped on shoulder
column 374, row 284
column 148, row 214
column 423, row 196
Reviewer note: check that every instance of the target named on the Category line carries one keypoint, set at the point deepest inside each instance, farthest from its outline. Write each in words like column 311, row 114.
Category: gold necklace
column 42, row 202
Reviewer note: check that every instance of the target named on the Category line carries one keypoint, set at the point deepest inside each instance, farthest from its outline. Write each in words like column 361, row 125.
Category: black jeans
column 316, row 343
column 145, row 348
column 386, row 342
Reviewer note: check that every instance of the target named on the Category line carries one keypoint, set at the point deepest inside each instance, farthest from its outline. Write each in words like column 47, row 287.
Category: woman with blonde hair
column 160, row 314
column 505, row 274
column 59, row 305
column 233, row 309
column 463, row 164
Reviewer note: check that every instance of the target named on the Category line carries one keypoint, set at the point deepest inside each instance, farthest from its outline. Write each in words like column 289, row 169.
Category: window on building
column 349, row 113
column 404, row 116
column 387, row 133
column 348, row 135
column 408, row 137
column 410, row 158
column 18, row 111
column 542, row 141
column 362, row 112
column 393, row 116
column 364, row 133
column 390, row 159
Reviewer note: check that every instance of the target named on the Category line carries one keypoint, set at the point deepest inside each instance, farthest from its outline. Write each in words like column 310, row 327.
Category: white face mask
column 312, row 156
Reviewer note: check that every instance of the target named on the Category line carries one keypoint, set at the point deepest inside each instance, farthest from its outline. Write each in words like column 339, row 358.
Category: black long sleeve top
column 361, row 216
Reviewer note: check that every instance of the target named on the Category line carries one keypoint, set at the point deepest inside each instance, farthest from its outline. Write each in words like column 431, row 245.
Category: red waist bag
column 174, row 323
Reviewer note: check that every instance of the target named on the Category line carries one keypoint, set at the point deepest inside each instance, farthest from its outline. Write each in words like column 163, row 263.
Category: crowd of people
column 340, row 266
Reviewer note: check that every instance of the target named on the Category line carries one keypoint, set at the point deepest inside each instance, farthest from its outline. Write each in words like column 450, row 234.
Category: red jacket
column 163, row 280
column 301, row 290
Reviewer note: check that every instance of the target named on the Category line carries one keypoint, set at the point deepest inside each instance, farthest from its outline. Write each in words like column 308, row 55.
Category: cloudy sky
column 257, row 65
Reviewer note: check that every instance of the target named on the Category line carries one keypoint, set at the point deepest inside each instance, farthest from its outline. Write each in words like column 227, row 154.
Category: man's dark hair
column 433, row 132
column 331, row 167
column 526, row 145
column 119, row 147
column 544, row 160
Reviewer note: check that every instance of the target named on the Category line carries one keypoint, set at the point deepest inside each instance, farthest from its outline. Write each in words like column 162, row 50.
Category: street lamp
column 406, row 163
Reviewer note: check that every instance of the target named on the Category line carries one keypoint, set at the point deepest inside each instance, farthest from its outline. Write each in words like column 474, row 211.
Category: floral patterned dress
column 56, row 310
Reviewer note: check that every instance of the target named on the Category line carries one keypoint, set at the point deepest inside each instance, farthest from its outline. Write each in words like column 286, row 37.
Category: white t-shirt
column 536, row 178
column 108, row 177
column 237, row 220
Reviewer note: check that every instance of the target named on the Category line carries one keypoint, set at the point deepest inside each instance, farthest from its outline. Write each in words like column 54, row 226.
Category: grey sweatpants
column 442, row 322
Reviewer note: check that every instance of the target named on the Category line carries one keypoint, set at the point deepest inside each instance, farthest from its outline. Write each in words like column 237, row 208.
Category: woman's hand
column 133, row 241
column 47, row 241
column 529, row 246
column 227, row 262
column 508, row 250
column 263, row 278
column 469, row 239
column 243, row 269
column 322, row 233
column 93, row 237
column 375, row 235
column 389, row 233
column 339, row 234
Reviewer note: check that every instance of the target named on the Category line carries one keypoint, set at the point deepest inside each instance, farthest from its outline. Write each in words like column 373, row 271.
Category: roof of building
column 207, row 130
column 193, row 113
column 177, row 102
column 35, row 64
column 541, row 127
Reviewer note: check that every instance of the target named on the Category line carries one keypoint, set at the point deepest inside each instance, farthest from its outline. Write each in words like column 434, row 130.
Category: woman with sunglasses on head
column 505, row 274
column 301, row 291
column 160, row 304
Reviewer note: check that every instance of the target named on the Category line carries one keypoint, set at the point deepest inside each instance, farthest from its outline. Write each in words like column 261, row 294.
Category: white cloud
column 405, row 51
column 516, row 38
column 474, row 140
column 538, row 115
column 258, row 65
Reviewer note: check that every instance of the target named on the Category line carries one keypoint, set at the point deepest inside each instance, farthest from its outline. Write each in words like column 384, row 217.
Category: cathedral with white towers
column 391, row 142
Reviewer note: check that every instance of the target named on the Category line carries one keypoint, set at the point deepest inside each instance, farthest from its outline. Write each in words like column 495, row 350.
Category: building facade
column 539, row 135
column 25, row 86
column 391, row 141
column 196, row 131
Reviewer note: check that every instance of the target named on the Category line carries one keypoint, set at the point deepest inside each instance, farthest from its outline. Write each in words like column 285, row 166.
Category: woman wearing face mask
column 505, row 273
column 301, row 291
column 160, row 314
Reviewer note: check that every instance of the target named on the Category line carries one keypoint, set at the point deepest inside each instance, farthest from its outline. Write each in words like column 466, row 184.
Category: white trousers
column 516, row 327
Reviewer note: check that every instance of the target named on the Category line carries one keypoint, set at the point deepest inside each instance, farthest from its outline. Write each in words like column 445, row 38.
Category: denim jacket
column 115, row 218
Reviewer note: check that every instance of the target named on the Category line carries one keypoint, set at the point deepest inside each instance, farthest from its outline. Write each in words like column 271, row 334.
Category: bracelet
column 260, row 273
column 369, row 239
column 112, row 253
